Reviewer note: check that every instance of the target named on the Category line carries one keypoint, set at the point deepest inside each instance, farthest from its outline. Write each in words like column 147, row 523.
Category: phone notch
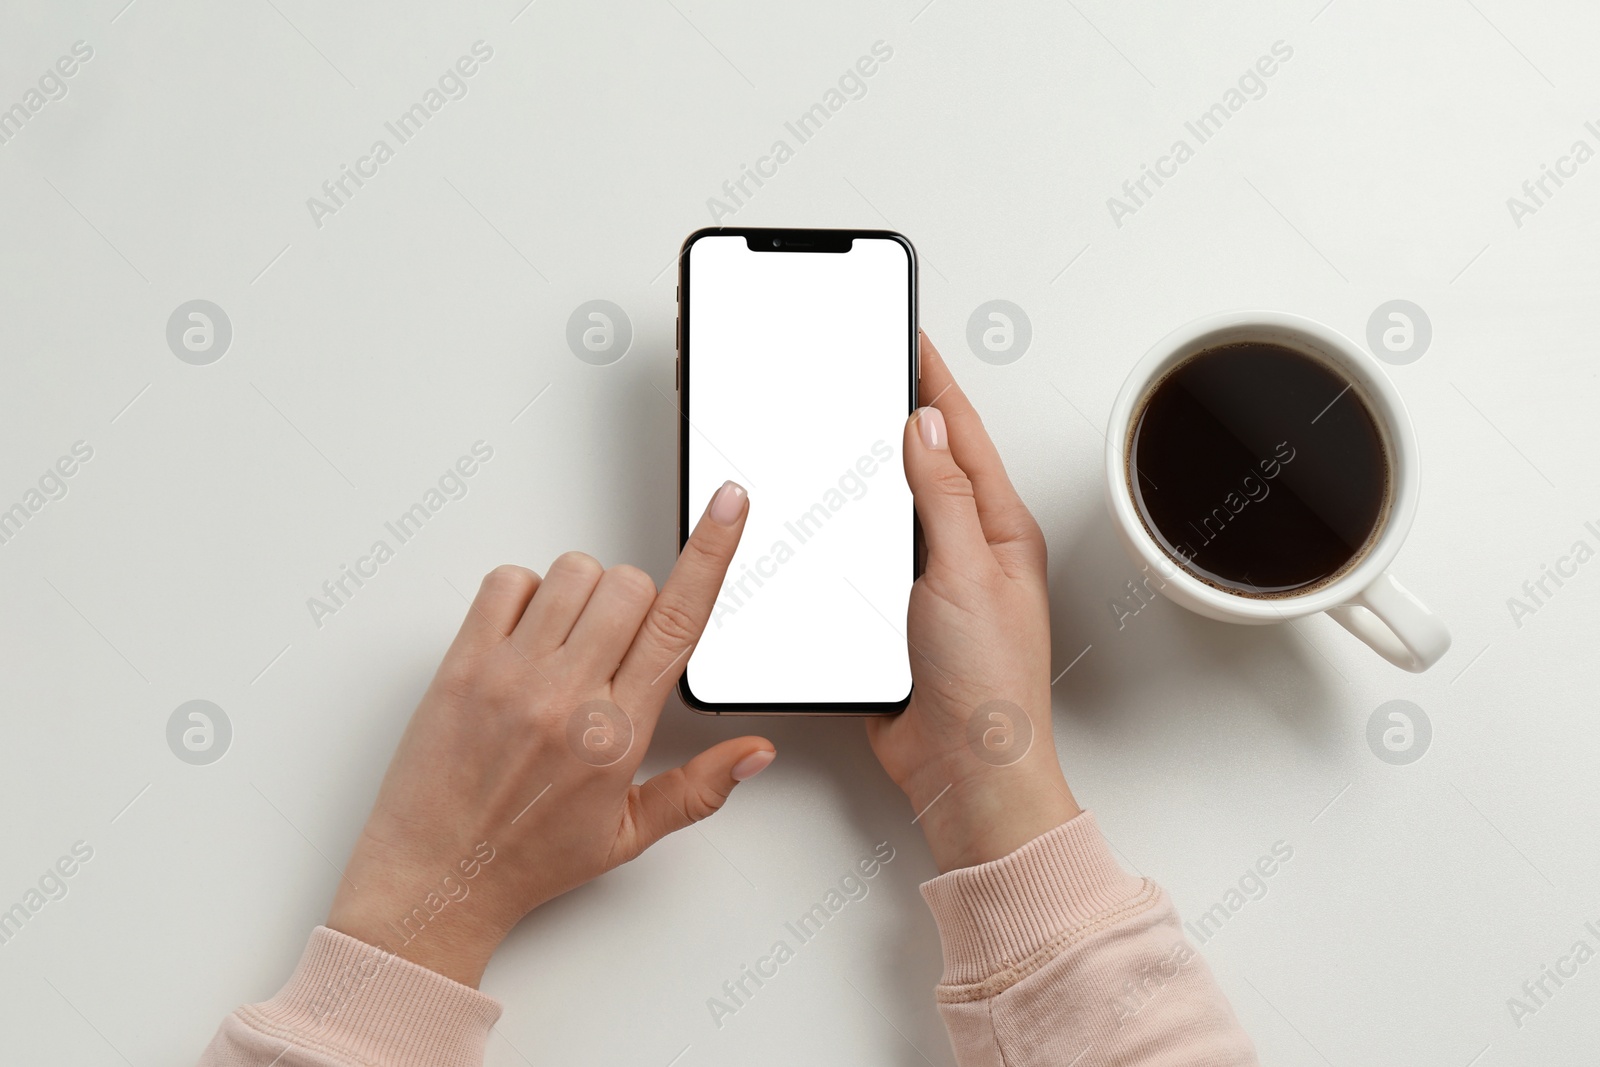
column 798, row 241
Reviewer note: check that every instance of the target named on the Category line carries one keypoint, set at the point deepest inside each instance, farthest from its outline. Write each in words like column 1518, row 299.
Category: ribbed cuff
column 998, row 914
column 353, row 1001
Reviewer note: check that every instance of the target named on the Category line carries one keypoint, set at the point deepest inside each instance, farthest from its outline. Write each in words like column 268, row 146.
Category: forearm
column 349, row 1003
column 1055, row 950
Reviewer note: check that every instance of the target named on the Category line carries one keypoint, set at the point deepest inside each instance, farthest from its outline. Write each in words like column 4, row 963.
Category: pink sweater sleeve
column 350, row 1004
column 1054, row 955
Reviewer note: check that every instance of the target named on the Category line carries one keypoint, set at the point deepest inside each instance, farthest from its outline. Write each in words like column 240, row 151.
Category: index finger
column 681, row 609
column 1005, row 519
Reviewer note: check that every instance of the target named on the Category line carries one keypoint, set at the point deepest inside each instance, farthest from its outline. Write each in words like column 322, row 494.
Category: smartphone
column 797, row 368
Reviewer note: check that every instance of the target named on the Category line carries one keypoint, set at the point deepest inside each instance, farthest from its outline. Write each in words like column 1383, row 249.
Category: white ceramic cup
column 1366, row 599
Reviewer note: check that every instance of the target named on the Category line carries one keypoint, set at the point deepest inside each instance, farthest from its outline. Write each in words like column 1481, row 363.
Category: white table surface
column 369, row 353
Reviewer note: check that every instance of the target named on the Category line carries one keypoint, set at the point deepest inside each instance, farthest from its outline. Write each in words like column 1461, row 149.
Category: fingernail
column 728, row 504
column 930, row 424
column 753, row 764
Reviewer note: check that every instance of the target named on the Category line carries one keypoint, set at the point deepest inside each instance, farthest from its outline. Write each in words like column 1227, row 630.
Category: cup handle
column 1397, row 625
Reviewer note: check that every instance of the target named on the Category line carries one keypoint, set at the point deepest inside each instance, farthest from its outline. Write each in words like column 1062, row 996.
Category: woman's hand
column 513, row 782
column 974, row 750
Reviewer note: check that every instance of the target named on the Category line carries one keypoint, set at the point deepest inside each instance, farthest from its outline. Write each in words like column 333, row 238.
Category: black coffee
column 1258, row 469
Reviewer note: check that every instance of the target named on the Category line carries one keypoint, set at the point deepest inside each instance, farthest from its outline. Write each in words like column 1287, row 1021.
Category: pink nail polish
column 753, row 764
column 930, row 424
column 728, row 504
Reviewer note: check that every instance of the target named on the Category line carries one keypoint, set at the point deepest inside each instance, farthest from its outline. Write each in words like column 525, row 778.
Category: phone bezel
column 795, row 241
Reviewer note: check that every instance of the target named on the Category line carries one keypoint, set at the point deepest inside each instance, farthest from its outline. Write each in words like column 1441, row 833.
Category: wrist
column 992, row 813
column 414, row 903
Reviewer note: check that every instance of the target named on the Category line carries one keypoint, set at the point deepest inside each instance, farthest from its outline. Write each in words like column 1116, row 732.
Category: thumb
column 942, row 491
column 684, row 795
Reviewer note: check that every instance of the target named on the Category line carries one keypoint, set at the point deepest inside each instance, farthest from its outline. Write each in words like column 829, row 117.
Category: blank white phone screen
column 799, row 378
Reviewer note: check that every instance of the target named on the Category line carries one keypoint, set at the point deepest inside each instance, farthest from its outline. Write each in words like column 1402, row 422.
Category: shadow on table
column 1144, row 652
